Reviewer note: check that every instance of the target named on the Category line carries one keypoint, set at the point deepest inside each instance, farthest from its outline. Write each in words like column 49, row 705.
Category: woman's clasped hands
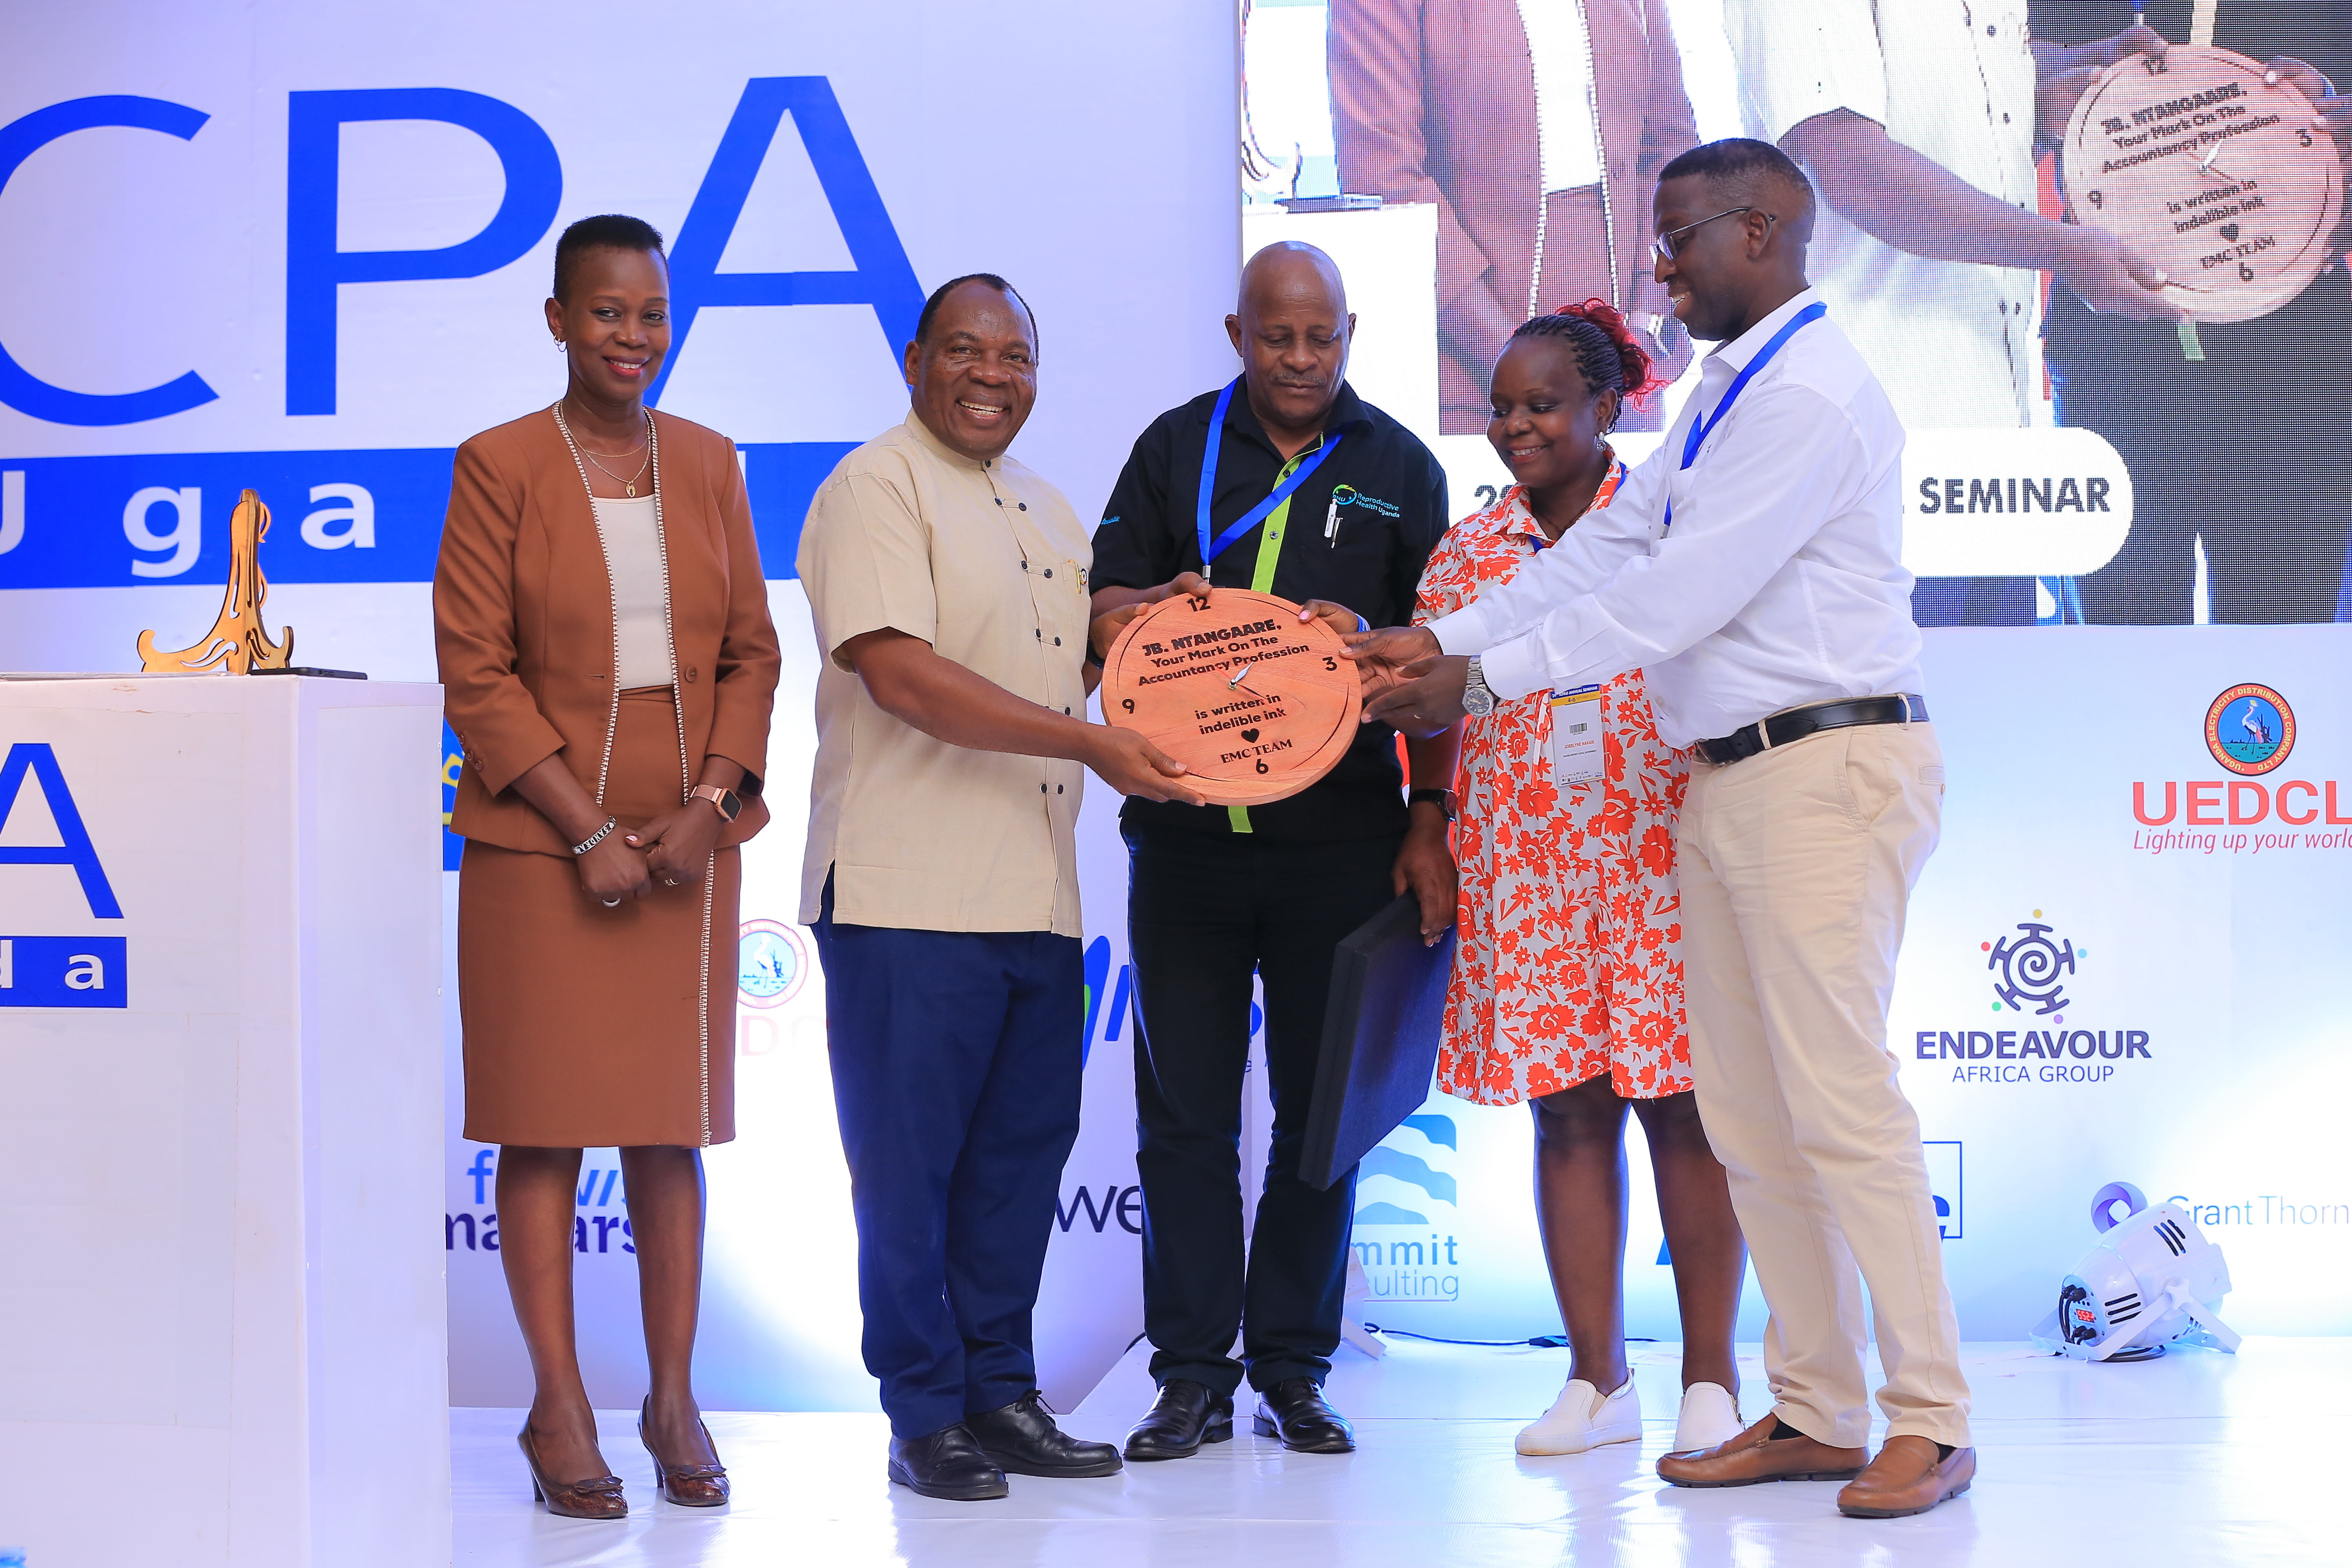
column 673, row 850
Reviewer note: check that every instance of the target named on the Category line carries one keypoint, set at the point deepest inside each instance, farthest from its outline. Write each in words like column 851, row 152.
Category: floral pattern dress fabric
column 1569, row 963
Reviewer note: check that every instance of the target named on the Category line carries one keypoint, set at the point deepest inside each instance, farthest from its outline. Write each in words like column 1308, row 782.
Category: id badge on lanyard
column 1576, row 750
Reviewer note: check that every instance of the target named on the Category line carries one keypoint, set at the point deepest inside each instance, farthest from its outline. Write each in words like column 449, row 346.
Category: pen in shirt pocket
column 1331, row 524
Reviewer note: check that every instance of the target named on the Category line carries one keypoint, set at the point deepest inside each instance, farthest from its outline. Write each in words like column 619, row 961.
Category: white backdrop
column 1087, row 151
column 1083, row 151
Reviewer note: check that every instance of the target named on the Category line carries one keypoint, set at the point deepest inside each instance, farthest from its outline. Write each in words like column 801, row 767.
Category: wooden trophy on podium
column 237, row 644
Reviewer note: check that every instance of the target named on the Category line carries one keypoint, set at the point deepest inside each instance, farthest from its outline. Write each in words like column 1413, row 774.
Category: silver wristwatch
column 1477, row 698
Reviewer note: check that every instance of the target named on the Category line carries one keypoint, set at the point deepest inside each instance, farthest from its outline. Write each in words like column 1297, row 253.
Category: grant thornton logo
column 2249, row 728
column 2028, row 970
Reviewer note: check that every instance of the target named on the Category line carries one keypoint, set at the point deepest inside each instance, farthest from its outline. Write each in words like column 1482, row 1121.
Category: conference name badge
column 1576, row 753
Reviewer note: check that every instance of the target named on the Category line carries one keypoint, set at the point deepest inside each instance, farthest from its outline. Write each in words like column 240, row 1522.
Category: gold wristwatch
column 729, row 805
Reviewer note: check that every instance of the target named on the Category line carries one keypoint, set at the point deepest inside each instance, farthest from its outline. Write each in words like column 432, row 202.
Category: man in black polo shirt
column 1221, row 893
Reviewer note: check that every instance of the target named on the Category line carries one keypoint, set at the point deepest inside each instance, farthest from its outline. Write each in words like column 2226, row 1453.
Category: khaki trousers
column 1796, row 866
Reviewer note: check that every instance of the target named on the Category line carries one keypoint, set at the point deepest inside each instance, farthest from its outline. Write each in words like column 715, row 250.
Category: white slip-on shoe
column 1710, row 1416
column 1582, row 1418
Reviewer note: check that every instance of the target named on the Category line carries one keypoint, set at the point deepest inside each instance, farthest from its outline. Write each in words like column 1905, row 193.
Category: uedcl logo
column 45, row 970
column 2030, row 968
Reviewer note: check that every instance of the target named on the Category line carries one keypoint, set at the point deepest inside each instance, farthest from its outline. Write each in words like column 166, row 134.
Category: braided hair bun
column 1607, row 355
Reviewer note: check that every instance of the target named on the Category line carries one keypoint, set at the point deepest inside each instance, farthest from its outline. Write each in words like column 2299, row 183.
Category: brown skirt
column 589, row 1028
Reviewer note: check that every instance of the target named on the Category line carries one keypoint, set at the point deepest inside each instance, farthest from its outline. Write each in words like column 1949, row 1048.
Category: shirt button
column 999, row 500
column 1049, row 570
column 1041, row 789
column 1058, row 642
column 1041, row 634
column 2004, row 118
column 691, row 672
column 1022, row 504
column 1058, row 789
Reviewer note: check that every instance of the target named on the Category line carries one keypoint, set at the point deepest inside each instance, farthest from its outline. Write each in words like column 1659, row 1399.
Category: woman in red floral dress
column 1567, row 987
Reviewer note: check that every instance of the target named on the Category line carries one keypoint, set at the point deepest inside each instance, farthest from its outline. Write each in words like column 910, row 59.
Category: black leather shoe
column 1293, row 1411
column 1185, row 1415
column 1023, row 1440
column 948, row 1463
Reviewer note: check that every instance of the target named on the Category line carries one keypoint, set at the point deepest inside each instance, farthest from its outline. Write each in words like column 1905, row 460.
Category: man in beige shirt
column 949, row 585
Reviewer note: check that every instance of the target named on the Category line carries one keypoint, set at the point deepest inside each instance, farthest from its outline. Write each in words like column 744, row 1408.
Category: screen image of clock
column 1255, row 702
column 2227, row 182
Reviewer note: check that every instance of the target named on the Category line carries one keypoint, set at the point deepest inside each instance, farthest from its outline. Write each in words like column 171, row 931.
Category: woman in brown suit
column 604, row 635
column 1537, row 129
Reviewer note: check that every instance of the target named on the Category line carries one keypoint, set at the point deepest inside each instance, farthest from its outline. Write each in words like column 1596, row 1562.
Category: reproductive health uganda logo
column 2249, row 728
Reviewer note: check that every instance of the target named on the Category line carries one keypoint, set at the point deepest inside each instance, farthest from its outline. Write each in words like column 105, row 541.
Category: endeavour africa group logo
column 770, row 964
column 2249, row 728
column 2030, row 968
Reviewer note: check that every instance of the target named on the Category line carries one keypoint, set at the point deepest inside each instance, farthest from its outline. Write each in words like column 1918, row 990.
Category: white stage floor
column 2196, row 1458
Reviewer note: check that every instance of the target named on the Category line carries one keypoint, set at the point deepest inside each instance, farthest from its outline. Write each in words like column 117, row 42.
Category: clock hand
column 1244, row 670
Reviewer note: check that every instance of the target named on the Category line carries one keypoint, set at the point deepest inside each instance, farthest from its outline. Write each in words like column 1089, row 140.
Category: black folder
column 1380, row 1038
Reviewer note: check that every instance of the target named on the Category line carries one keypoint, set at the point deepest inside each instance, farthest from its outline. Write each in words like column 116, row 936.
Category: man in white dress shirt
column 1752, row 569
column 1920, row 122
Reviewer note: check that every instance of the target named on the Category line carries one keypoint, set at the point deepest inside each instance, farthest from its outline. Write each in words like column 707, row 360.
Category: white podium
column 223, row 1336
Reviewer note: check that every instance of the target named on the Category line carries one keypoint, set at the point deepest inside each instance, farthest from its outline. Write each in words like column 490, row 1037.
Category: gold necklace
column 629, row 485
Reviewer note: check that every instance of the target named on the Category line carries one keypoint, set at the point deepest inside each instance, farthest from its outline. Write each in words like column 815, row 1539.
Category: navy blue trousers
column 956, row 1065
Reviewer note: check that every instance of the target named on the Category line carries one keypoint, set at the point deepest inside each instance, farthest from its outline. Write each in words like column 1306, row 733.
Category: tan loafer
column 1907, row 1478
column 1756, row 1457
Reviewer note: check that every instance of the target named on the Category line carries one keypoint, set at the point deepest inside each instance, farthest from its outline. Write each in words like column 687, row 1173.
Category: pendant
column 630, row 491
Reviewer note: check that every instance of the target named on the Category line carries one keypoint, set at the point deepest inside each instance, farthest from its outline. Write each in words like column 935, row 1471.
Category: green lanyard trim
column 1269, row 552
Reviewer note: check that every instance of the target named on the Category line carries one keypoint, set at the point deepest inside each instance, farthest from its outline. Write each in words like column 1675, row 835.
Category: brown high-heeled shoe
column 688, row 1486
column 597, row 1499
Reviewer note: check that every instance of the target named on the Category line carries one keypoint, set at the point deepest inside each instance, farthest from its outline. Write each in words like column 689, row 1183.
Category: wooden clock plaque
column 1257, row 703
column 2217, row 177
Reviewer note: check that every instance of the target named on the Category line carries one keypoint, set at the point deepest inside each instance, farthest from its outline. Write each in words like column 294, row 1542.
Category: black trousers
column 1205, row 912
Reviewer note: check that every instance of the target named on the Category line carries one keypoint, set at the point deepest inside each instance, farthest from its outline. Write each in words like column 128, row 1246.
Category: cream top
column 640, row 592
column 1560, row 51
column 987, row 563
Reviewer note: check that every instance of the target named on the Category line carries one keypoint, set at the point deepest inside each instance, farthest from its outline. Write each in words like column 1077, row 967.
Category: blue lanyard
column 1701, row 428
column 1210, row 550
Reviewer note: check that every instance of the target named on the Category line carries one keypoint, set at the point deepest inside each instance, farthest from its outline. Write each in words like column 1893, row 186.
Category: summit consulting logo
column 2028, row 969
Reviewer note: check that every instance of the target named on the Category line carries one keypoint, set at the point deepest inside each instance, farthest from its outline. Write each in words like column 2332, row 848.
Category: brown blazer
column 1434, row 101
column 522, row 619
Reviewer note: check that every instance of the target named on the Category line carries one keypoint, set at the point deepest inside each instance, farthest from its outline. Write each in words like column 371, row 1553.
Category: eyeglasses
column 1664, row 246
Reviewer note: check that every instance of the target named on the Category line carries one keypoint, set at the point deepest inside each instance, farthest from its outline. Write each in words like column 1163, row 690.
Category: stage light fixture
column 2152, row 1280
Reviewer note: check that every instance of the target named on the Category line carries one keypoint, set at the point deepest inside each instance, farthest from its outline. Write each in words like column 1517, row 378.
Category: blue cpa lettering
column 316, row 268
column 34, row 760
column 19, row 388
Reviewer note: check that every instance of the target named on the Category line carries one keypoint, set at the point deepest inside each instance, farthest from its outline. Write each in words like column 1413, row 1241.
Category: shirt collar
column 1346, row 409
column 941, row 450
column 1515, row 517
column 1733, row 356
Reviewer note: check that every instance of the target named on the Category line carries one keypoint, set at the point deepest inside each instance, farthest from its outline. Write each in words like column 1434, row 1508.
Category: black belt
column 1782, row 728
